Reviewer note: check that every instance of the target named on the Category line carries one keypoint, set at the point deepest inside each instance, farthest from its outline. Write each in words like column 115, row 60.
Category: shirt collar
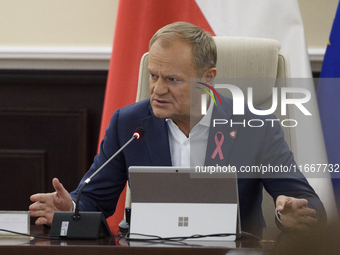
column 205, row 121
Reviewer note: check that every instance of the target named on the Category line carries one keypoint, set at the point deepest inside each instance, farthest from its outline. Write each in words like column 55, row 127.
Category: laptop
column 174, row 202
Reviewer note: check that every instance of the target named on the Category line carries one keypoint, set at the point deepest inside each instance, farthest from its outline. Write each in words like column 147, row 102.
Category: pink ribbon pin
column 218, row 146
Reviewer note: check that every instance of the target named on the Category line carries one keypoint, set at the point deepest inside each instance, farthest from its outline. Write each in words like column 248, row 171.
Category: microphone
column 139, row 132
column 89, row 225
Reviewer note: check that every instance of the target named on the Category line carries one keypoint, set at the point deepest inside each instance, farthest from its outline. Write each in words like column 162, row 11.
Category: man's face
column 170, row 71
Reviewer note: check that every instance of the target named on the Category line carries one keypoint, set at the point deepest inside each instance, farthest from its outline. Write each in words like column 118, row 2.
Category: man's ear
column 209, row 75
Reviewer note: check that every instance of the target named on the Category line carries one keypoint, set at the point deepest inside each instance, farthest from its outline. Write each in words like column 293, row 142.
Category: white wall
column 86, row 27
column 57, row 22
column 318, row 18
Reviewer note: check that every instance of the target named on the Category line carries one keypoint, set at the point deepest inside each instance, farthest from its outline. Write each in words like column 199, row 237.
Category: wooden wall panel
column 17, row 169
column 47, row 89
column 61, row 133
column 22, row 174
column 49, row 127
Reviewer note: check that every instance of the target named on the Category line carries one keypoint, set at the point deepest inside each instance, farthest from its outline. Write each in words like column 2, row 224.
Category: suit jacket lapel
column 156, row 139
column 223, row 113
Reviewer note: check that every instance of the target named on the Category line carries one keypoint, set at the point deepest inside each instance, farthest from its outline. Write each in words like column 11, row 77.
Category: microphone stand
column 76, row 215
column 87, row 225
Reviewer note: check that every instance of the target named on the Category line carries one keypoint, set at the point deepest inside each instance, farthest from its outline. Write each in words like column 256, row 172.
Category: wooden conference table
column 115, row 245
column 320, row 242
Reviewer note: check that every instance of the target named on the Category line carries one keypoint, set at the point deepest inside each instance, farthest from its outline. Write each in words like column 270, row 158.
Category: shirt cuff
column 74, row 206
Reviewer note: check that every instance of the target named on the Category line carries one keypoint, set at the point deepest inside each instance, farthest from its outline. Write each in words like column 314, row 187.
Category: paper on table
column 17, row 221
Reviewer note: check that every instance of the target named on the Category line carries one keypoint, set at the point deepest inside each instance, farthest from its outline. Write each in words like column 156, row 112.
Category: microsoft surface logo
column 183, row 221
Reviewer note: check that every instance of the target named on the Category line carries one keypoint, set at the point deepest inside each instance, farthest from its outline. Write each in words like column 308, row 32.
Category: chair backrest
column 254, row 62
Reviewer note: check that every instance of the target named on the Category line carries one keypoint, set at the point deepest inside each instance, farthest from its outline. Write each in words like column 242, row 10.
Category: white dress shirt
column 197, row 140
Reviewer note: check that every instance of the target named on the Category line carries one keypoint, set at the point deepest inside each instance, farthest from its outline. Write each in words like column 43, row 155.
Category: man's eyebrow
column 171, row 75
column 167, row 75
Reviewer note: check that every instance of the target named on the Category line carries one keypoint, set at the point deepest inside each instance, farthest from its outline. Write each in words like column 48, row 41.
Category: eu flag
column 328, row 94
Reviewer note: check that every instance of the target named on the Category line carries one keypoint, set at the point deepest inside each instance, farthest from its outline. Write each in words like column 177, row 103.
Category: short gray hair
column 203, row 45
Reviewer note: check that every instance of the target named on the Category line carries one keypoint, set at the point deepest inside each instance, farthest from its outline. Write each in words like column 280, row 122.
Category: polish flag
column 137, row 21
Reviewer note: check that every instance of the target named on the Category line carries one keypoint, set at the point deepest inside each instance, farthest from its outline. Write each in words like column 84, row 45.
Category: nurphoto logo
column 239, row 104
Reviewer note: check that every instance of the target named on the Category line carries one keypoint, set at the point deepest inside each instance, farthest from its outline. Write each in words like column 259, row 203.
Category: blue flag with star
column 328, row 94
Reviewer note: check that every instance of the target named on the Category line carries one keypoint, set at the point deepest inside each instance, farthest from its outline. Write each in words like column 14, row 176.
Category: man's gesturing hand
column 294, row 213
column 46, row 204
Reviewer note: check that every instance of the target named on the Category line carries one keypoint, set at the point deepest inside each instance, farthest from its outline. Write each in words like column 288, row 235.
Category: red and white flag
column 137, row 21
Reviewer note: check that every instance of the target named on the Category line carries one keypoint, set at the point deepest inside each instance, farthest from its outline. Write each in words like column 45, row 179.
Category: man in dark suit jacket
column 179, row 52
